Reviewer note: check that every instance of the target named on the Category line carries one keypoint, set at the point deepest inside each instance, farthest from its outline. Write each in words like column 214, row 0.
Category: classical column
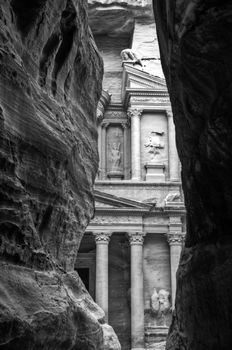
column 175, row 239
column 102, row 241
column 137, row 297
column 173, row 155
column 103, row 151
column 135, row 116
column 125, row 148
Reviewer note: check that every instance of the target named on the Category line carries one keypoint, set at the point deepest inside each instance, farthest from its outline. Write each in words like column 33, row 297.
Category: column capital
column 125, row 125
column 136, row 238
column 102, row 237
column 105, row 124
column 133, row 112
column 175, row 238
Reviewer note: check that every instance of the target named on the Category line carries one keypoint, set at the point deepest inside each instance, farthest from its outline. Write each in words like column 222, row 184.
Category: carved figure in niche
column 154, row 143
column 115, row 155
column 160, row 305
column 114, row 150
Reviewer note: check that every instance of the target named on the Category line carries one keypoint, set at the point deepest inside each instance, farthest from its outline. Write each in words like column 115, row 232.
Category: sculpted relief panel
column 154, row 140
column 154, row 144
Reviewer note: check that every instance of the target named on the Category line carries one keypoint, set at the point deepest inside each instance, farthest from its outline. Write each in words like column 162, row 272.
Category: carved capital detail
column 136, row 238
column 102, row 237
column 124, row 125
column 134, row 113
column 105, row 124
column 176, row 238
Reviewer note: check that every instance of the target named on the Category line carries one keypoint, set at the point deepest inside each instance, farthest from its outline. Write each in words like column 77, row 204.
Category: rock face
column 116, row 18
column 50, row 83
column 195, row 40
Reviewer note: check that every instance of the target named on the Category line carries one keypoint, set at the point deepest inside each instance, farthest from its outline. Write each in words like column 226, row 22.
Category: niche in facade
column 114, row 152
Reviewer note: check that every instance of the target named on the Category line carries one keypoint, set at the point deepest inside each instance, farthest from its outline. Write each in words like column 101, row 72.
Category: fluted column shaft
column 102, row 295
column 173, row 155
column 137, row 297
column 135, row 116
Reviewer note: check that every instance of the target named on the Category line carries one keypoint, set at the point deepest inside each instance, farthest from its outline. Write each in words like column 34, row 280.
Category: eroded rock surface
column 50, row 83
column 195, row 39
column 116, row 18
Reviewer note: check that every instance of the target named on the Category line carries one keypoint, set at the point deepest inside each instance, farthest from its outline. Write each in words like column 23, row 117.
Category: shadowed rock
column 50, row 83
column 195, row 40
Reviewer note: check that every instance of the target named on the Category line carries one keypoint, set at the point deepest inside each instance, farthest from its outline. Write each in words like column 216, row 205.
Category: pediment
column 137, row 79
column 106, row 200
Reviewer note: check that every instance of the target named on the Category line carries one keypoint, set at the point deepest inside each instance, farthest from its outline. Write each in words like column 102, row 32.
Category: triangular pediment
column 106, row 200
column 137, row 79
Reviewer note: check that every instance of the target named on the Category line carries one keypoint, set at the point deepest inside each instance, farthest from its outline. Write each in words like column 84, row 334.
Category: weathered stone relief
column 154, row 144
column 158, row 318
column 130, row 55
column 172, row 197
column 114, row 149
column 160, row 306
column 115, row 155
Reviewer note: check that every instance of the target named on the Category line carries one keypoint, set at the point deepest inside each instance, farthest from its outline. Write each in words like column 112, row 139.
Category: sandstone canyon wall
column 195, row 38
column 50, row 83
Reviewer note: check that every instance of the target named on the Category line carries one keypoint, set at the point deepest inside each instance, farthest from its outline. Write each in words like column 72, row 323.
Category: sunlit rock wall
column 50, row 82
column 195, row 38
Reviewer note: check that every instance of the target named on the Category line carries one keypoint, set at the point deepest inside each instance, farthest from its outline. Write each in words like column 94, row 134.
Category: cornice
column 137, row 183
column 135, row 92
column 143, row 212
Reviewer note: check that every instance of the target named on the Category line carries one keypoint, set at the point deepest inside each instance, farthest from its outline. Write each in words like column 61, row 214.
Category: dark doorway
column 84, row 275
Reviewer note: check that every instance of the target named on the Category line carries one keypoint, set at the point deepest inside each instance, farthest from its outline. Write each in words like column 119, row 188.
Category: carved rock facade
column 125, row 254
column 195, row 39
column 50, row 83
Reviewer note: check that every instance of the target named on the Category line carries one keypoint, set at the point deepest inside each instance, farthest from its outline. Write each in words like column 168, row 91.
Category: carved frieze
column 115, row 114
column 110, row 219
column 151, row 99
